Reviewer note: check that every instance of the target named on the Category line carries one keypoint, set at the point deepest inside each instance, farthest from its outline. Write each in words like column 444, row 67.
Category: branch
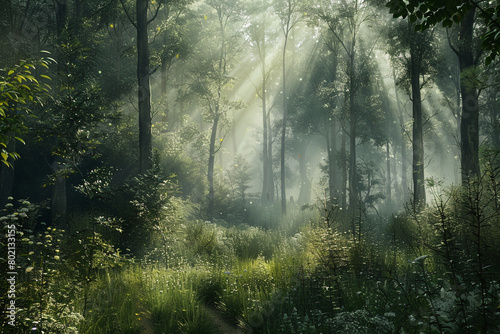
column 338, row 38
column 156, row 13
column 128, row 15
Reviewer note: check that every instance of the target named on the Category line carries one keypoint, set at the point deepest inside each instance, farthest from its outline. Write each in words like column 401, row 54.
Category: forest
column 239, row 166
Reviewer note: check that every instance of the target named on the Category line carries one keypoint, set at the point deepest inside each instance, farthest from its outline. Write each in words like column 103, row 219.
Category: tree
column 432, row 12
column 290, row 15
column 449, row 12
column 344, row 21
column 19, row 92
column 141, row 23
column 412, row 54
column 211, row 77
column 258, row 39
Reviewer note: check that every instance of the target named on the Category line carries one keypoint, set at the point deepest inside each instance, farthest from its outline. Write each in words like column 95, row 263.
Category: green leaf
column 21, row 140
column 5, row 156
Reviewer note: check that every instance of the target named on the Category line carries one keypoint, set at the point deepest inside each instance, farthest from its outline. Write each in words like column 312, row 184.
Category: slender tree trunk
column 211, row 163
column 343, row 157
column 144, row 90
column 389, row 180
column 418, row 140
column 353, row 182
column 233, row 136
column 457, row 169
column 330, row 150
column 404, row 167
column 469, row 125
column 270, row 159
column 265, row 158
column 283, row 132
column 215, row 124
column 404, row 170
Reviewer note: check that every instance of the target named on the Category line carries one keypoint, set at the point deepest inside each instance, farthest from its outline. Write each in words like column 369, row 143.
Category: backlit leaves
column 19, row 90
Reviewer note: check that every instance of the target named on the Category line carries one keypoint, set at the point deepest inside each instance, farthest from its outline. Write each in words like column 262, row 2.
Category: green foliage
column 19, row 91
column 148, row 208
column 116, row 303
column 428, row 13
column 45, row 289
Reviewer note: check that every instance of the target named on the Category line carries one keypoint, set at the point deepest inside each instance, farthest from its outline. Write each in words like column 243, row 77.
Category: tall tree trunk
column 283, row 133
column 270, row 159
column 389, row 180
column 418, row 139
column 343, row 157
column 330, row 150
column 469, row 125
column 353, row 182
column 215, row 124
column 265, row 158
column 211, row 163
column 404, row 170
column 404, row 167
column 144, row 89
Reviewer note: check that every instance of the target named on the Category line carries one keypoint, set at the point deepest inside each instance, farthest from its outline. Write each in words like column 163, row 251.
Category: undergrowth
column 428, row 271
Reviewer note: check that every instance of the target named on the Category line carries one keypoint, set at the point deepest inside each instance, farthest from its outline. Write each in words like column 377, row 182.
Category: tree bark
column 330, row 150
column 265, row 158
column 469, row 124
column 389, row 180
column 283, row 133
column 144, row 90
column 215, row 124
column 211, row 163
column 343, row 157
column 270, row 158
column 353, row 182
column 418, row 140
column 404, row 167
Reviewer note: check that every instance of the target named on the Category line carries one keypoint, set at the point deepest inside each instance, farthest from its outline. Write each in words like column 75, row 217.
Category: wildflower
column 57, row 257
